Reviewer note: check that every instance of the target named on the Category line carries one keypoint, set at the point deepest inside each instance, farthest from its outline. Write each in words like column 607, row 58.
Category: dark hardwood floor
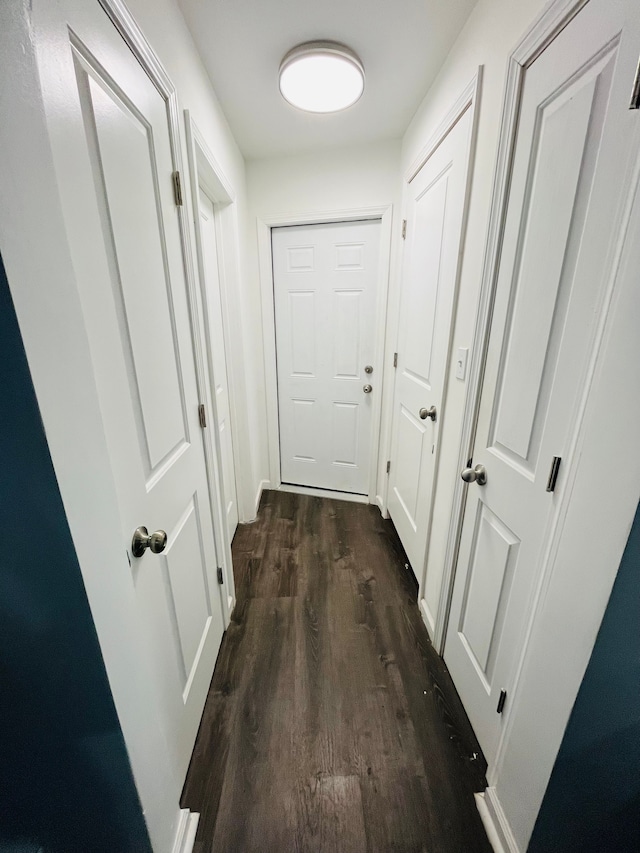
column 331, row 724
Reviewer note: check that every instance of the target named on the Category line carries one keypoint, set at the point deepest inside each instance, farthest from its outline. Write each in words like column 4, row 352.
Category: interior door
column 325, row 283
column 123, row 227
column 435, row 209
column 566, row 191
column 211, row 277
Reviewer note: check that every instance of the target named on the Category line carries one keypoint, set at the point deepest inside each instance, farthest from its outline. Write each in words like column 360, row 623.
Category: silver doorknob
column 368, row 368
column 142, row 539
column 367, row 389
column 475, row 475
column 431, row 412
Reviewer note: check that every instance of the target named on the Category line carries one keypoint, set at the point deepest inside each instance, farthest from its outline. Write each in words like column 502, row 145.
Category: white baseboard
column 186, row 832
column 264, row 484
column 428, row 619
column 495, row 822
column 323, row 493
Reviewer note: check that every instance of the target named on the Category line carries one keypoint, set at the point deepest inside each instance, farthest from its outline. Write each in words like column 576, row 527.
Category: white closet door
column 219, row 367
column 435, row 211
column 566, row 189
column 325, row 282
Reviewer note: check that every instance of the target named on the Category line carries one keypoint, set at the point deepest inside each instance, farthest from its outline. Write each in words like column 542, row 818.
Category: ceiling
column 402, row 44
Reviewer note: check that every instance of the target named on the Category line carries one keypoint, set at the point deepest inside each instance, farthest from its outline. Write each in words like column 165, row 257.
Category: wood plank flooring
column 331, row 724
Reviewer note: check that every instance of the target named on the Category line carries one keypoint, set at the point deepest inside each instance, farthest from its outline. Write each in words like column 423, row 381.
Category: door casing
column 265, row 259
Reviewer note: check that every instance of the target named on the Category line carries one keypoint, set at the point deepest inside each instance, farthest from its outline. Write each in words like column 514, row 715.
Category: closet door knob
column 142, row 539
column 431, row 412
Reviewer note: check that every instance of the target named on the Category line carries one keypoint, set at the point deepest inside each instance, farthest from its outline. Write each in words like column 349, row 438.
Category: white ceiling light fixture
column 321, row 77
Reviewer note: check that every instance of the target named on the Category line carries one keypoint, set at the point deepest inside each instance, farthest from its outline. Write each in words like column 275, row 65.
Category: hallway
column 331, row 724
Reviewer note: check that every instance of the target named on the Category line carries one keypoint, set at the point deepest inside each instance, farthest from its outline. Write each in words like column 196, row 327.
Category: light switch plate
column 461, row 362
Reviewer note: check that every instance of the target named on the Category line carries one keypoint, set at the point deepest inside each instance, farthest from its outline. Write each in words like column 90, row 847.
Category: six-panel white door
column 435, row 208
column 211, row 283
column 325, row 284
column 121, row 214
column 565, row 193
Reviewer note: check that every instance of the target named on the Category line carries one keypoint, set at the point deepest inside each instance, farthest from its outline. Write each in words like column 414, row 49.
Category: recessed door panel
column 420, row 290
column 148, row 325
column 346, row 338
column 302, row 332
column 189, row 586
column 557, row 156
column 345, row 434
column 406, row 483
column 491, row 567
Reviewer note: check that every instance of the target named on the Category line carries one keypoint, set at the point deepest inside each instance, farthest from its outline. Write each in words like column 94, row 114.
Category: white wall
column 165, row 28
column 487, row 39
column 326, row 181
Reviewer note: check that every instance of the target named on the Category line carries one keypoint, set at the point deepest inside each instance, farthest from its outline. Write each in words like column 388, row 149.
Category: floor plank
column 331, row 724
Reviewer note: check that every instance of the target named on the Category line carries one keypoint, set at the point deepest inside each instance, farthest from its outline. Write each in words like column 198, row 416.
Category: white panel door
column 435, row 209
column 121, row 214
column 325, row 283
column 565, row 192
column 219, row 367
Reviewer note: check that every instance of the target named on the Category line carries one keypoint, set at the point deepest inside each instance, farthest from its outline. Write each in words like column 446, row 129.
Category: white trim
column 186, row 832
column 541, row 33
column 204, row 171
column 427, row 617
column 265, row 270
column 467, row 98
column 264, row 484
column 323, row 493
column 495, row 822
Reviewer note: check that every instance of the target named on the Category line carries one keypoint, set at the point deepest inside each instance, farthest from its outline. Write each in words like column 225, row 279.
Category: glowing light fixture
column 321, row 77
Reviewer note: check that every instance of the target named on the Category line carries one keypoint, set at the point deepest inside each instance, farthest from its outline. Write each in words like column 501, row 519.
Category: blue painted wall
column 592, row 804
column 65, row 780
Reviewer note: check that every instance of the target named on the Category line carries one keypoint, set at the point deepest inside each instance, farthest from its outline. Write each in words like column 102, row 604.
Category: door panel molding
column 265, row 267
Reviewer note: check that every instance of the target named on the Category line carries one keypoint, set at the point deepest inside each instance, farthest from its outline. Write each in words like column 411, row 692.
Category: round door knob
column 431, row 412
column 368, row 389
column 475, row 475
column 368, row 368
column 156, row 542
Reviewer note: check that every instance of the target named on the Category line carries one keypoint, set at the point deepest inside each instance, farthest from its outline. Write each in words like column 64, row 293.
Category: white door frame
column 205, row 172
column 265, row 261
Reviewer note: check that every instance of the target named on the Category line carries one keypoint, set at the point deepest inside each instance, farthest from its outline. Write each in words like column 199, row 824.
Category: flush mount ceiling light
column 321, row 77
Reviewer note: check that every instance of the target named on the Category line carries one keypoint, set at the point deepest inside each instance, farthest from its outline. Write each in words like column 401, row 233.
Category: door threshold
column 323, row 493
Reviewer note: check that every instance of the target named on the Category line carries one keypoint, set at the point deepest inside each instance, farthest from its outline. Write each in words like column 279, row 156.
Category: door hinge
column 219, row 574
column 395, row 359
column 388, row 466
column 501, row 701
column 202, row 415
column 553, row 474
column 177, row 189
column 404, row 229
column 635, row 92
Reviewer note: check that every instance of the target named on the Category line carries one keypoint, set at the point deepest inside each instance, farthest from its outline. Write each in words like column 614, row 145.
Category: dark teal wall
column 592, row 804
column 65, row 781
